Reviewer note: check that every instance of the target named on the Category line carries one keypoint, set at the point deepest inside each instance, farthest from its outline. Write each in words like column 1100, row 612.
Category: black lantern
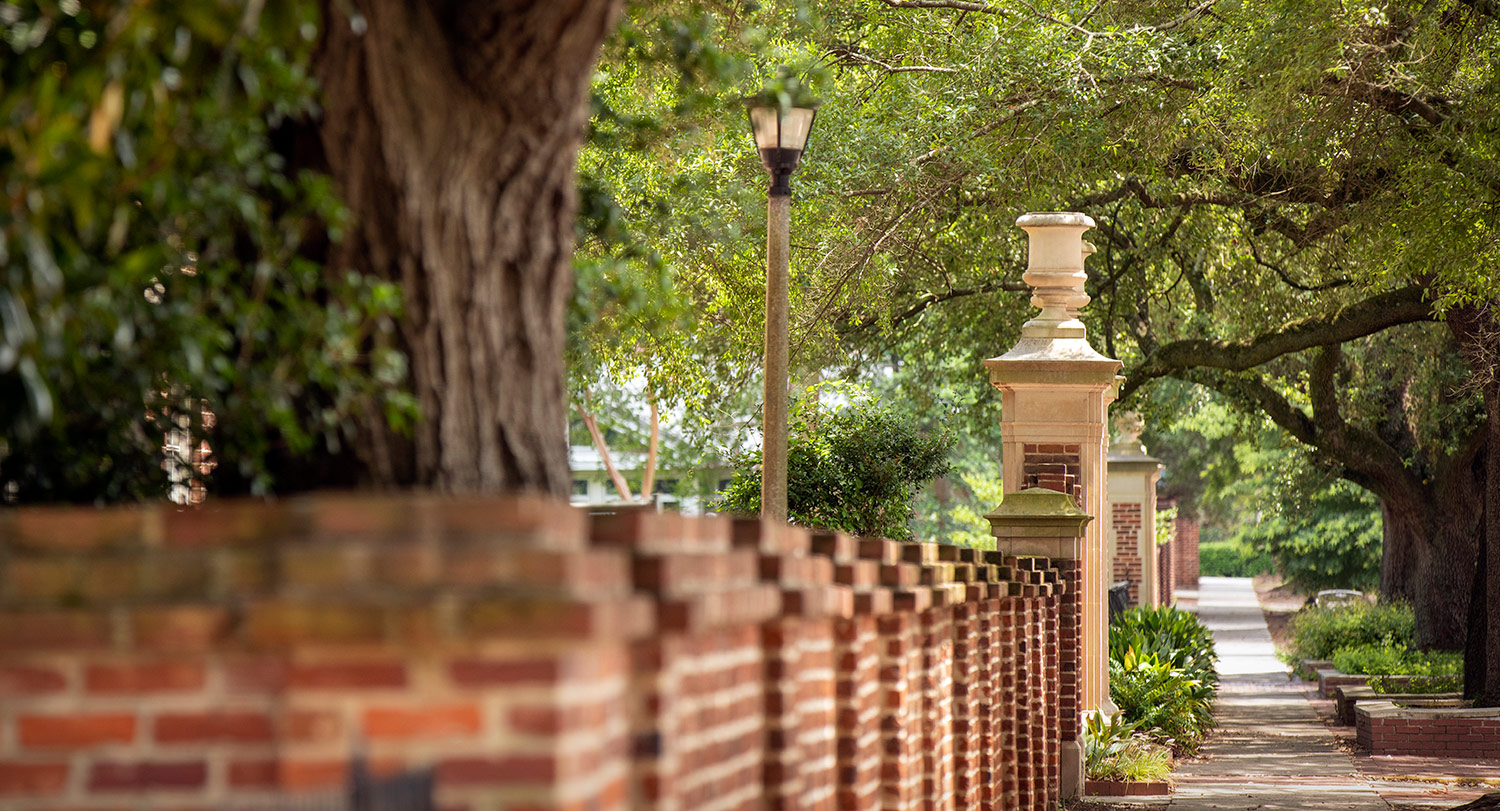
column 780, row 135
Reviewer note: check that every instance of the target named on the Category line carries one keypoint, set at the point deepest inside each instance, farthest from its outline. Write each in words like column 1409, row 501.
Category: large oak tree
column 453, row 129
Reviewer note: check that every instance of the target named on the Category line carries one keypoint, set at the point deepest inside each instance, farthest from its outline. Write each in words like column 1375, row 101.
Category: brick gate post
column 1056, row 391
column 1132, row 478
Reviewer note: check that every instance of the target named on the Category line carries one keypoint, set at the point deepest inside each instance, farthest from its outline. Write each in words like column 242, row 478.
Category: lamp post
column 780, row 135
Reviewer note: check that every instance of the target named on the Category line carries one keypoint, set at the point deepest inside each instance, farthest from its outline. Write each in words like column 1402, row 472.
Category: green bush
column 1397, row 660
column 1420, row 684
column 1173, row 635
column 1114, row 750
column 1168, row 705
column 1232, row 559
column 1161, row 674
column 1332, row 542
column 1317, row 633
column 854, row 467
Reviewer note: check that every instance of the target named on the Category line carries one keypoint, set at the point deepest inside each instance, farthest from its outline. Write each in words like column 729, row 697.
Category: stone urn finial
column 1054, row 269
column 1128, row 427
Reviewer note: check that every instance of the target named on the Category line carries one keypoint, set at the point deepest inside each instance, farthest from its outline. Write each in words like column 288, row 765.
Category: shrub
column 1113, row 750
column 1161, row 674
column 854, row 467
column 1232, row 559
column 1419, row 684
column 1317, row 633
column 1330, row 540
column 1168, row 705
column 1397, row 660
column 1173, row 635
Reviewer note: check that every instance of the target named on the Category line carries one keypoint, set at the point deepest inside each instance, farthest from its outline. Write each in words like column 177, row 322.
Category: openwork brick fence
column 535, row 657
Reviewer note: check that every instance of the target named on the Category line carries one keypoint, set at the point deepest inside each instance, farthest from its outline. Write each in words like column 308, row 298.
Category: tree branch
column 957, row 5
column 854, row 56
column 1383, row 311
column 1356, row 448
column 929, row 299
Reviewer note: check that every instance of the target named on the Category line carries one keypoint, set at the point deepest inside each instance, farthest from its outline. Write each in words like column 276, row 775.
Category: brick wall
column 1385, row 729
column 1185, row 557
column 536, row 658
column 1127, row 559
column 1166, row 569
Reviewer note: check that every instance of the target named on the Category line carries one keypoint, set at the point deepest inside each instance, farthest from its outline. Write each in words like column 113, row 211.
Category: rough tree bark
column 1478, row 335
column 453, row 128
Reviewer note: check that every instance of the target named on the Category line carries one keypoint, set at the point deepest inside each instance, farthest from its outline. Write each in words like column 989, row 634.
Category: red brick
column 347, row 675
column 153, row 677
column 29, row 679
column 226, row 523
column 422, row 722
column 305, row 726
column 511, row 770
column 555, row 720
column 53, row 630
column 33, row 778
column 75, row 731
column 295, row 774
column 275, row 623
column 253, row 773
column 148, row 776
column 502, row 672
column 213, row 726
column 180, row 628
column 74, row 528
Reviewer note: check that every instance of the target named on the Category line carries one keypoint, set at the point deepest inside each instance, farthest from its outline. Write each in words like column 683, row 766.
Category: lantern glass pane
column 763, row 124
column 795, row 124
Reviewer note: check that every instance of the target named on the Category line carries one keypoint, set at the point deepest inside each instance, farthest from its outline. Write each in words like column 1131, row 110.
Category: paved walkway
column 1271, row 751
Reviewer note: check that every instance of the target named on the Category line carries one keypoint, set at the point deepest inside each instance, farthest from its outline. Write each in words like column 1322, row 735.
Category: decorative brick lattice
column 532, row 655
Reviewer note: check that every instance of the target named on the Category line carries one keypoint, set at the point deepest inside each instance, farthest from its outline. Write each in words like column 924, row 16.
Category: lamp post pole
column 773, row 415
column 780, row 135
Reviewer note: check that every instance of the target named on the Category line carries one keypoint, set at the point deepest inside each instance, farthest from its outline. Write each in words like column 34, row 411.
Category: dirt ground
column 1278, row 602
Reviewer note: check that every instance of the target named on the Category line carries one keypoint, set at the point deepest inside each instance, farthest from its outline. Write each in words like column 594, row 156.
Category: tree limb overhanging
column 956, row 5
column 1379, row 312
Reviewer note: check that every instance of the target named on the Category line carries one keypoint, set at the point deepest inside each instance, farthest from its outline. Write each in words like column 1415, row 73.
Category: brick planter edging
column 1126, row 788
column 1387, row 729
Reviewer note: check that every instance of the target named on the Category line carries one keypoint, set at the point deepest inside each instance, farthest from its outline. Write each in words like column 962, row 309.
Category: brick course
column 534, row 656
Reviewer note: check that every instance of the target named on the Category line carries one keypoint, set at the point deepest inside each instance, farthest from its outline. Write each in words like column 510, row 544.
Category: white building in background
column 690, row 491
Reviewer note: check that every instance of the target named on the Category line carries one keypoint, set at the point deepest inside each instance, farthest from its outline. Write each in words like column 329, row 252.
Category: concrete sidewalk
column 1270, row 752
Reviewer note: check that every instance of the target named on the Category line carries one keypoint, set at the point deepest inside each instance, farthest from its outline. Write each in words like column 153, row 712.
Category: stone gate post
column 1132, row 478
column 1045, row 523
column 1056, row 392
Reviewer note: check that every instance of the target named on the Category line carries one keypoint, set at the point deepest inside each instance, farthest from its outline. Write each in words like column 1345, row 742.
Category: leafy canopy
column 161, row 276
column 854, row 465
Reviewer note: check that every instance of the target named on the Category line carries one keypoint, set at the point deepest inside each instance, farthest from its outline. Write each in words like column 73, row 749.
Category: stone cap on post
column 1039, row 522
column 1054, row 269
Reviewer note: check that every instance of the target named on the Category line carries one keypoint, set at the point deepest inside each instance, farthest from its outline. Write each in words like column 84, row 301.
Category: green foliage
column 853, row 466
column 1166, row 526
column 1161, row 674
column 1172, row 635
column 1232, row 559
column 161, row 277
column 1397, row 660
column 1330, row 540
column 1169, row 705
column 1318, row 633
column 1451, row 683
column 1113, row 750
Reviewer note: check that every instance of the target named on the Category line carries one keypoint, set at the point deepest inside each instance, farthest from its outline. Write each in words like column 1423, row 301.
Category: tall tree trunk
column 1436, row 537
column 1478, row 333
column 453, row 128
